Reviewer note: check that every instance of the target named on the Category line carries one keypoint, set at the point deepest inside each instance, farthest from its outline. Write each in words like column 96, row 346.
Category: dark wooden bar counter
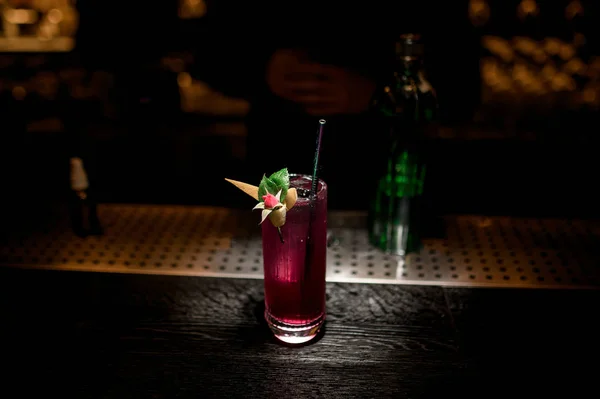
column 102, row 335
column 118, row 335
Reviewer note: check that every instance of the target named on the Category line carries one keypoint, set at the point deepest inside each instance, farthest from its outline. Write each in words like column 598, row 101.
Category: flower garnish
column 271, row 200
column 272, row 207
column 269, row 193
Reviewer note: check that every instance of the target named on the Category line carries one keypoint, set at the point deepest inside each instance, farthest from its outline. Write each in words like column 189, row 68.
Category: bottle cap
column 79, row 180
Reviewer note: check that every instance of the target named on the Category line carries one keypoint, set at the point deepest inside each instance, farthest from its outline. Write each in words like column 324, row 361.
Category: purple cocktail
column 295, row 269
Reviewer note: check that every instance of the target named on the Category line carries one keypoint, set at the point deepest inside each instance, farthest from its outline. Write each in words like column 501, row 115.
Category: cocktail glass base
column 294, row 333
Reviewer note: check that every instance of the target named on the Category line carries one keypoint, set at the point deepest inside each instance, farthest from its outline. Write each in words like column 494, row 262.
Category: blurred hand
column 320, row 89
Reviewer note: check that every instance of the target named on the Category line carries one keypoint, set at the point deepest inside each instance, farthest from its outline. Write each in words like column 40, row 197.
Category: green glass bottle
column 406, row 107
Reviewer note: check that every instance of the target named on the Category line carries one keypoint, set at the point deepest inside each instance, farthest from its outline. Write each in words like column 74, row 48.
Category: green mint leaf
column 279, row 180
column 282, row 180
column 266, row 186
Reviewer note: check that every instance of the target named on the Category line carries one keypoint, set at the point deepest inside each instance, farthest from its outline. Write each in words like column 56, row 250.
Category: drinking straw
column 313, row 191
column 313, row 197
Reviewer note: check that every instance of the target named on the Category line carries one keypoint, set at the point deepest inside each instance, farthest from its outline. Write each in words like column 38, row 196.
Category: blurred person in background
column 293, row 63
column 297, row 63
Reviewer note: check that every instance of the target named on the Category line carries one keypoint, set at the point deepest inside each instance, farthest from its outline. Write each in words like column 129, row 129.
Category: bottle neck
column 408, row 66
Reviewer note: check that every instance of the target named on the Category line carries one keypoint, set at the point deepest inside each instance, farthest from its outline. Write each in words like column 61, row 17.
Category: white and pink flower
column 271, row 205
column 273, row 208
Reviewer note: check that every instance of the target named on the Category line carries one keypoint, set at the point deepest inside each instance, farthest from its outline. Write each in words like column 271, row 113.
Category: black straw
column 313, row 198
column 313, row 189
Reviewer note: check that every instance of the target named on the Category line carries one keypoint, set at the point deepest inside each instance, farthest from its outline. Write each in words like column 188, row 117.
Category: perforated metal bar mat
column 200, row 241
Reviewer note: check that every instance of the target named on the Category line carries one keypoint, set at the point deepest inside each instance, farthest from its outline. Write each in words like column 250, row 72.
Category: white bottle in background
column 82, row 205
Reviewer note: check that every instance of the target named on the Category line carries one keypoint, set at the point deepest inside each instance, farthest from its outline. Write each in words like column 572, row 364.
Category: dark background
column 493, row 155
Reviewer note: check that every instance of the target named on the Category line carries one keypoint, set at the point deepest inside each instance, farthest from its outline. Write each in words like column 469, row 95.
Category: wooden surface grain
column 89, row 335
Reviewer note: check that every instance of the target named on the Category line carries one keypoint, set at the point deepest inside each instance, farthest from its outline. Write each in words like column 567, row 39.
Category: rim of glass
column 321, row 188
